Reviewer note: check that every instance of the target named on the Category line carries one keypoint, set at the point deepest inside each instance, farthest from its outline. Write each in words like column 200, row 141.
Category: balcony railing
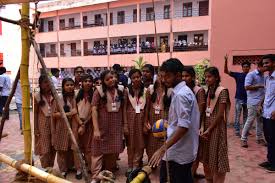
column 191, row 47
column 123, row 49
column 74, row 26
column 95, row 23
column 51, row 54
column 95, row 51
column 75, row 53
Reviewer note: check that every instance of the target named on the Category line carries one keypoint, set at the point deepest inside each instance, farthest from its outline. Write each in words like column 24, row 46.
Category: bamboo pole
column 142, row 175
column 7, row 105
column 63, row 115
column 24, row 77
column 39, row 174
column 155, row 29
column 16, row 22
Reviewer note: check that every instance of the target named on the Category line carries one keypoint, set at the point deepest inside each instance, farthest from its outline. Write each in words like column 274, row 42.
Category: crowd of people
column 108, row 114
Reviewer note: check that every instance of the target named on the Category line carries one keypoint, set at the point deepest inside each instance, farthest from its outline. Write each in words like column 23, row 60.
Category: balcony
column 71, row 21
column 51, row 54
column 47, row 25
column 70, row 49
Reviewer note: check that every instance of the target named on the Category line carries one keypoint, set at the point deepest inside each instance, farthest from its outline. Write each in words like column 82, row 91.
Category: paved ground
column 243, row 162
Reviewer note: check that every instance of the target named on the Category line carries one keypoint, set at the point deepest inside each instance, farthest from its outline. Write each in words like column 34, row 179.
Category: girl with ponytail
column 214, row 149
column 62, row 142
column 43, row 103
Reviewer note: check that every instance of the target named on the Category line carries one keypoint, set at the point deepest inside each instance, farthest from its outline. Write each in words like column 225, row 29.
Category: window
column 41, row 27
column 98, row 19
column 52, row 48
column 50, row 26
column 71, row 22
column 62, row 50
column 149, row 14
column 42, row 49
column 198, row 39
column 120, row 17
column 203, row 8
column 187, row 9
column 73, row 49
column 111, row 19
column 85, row 21
column 86, row 49
column 166, row 14
column 134, row 15
column 62, row 24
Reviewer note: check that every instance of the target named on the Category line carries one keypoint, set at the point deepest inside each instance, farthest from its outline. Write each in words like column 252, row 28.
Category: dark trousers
column 178, row 173
column 3, row 100
column 269, row 133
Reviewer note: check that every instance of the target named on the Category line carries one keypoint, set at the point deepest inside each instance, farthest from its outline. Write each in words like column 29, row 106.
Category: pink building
column 98, row 35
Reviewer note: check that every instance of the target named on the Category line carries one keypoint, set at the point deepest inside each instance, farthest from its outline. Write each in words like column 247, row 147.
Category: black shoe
column 265, row 164
column 64, row 174
column 270, row 169
column 78, row 176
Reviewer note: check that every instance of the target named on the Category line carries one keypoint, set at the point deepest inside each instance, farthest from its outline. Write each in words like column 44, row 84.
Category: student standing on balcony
column 107, row 115
column 240, row 96
column 254, row 85
column 148, row 72
column 214, row 129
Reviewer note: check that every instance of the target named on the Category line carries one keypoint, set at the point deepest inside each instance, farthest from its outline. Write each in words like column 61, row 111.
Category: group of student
column 105, row 117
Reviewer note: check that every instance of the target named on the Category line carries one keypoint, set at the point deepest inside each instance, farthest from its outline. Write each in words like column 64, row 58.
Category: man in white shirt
column 55, row 77
column 183, row 130
column 5, row 86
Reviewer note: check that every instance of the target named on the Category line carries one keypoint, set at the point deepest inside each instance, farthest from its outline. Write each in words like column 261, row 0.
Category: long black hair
column 42, row 78
column 214, row 72
column 131, row 91
column 104, row 87
column 65, row 94
column 80, row 94
column 166, row 98
column 191, row 71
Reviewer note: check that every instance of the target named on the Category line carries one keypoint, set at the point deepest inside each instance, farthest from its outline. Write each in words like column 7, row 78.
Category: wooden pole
column 7, row 105
column 39, row 174
column 63, row 115
column 155, row 28
column 25, row 85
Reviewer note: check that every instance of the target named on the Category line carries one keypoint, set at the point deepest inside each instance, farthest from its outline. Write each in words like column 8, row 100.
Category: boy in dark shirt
column 240, row 96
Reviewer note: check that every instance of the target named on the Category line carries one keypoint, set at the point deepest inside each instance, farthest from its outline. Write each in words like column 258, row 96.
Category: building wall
column 240, row 28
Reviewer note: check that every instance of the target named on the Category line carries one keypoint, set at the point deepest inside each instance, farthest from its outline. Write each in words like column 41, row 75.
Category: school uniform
column 61, row 138
column 135, row 118
column 42, row 131
column 110, row 124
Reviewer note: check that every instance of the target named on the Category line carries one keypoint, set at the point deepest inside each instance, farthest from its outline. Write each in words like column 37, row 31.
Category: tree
column 200, row 68
column 139, row 63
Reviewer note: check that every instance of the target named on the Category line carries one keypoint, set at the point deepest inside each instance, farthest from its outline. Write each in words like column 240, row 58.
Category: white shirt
column 18, row 93
column 183, row 112
column 55, row 82
column 5, row 83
